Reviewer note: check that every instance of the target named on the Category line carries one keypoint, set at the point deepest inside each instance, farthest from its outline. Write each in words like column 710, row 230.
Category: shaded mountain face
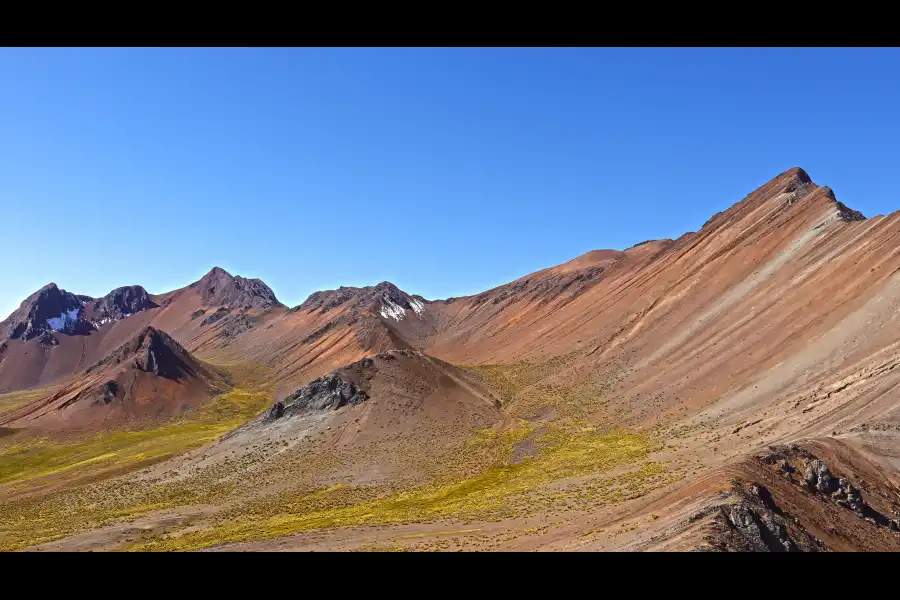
column 153, row 351
column 120, row 303
column 48, row 310
column 220, row 288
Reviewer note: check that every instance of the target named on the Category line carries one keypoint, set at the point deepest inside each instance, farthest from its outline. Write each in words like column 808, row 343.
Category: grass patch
column 11, row 401
column 26, row 465
column 510, row 380
column 502, row 491
column 36, row 458
column 572, row 390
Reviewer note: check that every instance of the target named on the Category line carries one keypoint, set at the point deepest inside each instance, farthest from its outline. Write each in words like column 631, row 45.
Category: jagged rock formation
column 801, row 467
column 329, row 392
column 385, row 299
column 220, row 288
column 47, row 310
column 754, row 523
column 788, row 498
column 120, row 303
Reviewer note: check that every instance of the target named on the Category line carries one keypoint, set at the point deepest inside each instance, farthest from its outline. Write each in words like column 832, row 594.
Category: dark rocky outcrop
column 804, row 469
column 220, row 288
column 348, row 385
column 110, row 391
column 48, row 309
column 326, row 393
column 345, row 386
column 47, row 340
column 120, row 303
column 750, row 521
column 234, row 326
column 221, row 313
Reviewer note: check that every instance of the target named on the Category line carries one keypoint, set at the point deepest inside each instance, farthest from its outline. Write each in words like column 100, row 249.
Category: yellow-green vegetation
column 509, row 380
column 28, row 464
column 10, row 401
column 573, row 390
column 271, row 487
column 25, row 459
column 502, row 491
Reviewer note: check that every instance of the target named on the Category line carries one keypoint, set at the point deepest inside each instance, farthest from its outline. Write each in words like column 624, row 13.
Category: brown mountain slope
column 817, row 496
column 149, row 377
column 380, row 419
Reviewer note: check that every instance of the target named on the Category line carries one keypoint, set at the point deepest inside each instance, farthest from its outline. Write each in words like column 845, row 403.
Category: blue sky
column 445, row 171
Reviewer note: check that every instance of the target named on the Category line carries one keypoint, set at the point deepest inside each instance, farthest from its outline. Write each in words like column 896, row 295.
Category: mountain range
column 733, row 389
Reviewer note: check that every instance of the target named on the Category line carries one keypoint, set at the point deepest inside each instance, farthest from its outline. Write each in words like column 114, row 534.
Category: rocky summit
column 47, row 310
column 120, row 303
column 220, row 288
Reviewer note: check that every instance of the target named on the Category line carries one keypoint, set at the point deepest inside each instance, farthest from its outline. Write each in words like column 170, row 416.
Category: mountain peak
column 120, row 303
column 218, row 272
column 384, row 298
column 221, row 288
column 153, row 351
column 49, row 309
column 799, row 173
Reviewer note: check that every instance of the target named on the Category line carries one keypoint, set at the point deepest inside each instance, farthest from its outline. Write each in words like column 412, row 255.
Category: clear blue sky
column 446, row 171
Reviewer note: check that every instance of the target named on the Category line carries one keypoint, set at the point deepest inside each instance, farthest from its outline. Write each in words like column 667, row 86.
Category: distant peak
column 385, row 298
column 48, row 309
column 216, row 274
column 221, row 288
column 120, row 303
column 387, row 286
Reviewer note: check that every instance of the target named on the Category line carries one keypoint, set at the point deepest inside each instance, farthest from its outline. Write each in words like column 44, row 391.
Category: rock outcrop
column 804, row 469
column 120, row 303
column 326, row 393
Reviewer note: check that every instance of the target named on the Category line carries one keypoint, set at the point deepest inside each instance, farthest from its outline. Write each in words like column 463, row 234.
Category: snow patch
column 105, row 320
column 392, row 310
column 417, row 306
column 64, row 321
column 101, row 322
